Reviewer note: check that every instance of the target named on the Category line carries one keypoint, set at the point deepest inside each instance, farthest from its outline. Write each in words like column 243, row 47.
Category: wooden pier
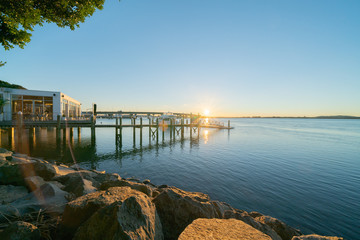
column 154, row 123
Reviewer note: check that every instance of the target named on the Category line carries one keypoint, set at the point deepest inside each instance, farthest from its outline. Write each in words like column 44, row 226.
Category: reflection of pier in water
column 46, row 142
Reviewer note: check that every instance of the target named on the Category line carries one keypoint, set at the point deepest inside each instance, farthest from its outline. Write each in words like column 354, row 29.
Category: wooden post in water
column 93, row 121
column 19, row 129
column 120, row 131
column 64, row 134
column 174, row 129
column 134, row 133
column 150, row 130
column 58, row 126
column 182, row 127
column 141, row 129
column 191, row 128
column 71, row 134
column 228, row 123
column 157, row 130
column 79, row 134
column 11, row 133
column 32, row 138
column 163, row 130
column 170, row 128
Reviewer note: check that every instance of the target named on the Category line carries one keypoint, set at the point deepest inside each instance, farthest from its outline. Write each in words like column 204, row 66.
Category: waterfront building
column 37, row 105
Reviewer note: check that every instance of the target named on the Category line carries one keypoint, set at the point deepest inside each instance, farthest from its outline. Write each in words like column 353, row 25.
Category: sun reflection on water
column 206, row 136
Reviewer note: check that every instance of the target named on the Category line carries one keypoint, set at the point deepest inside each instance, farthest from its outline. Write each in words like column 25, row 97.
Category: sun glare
column 206, row 112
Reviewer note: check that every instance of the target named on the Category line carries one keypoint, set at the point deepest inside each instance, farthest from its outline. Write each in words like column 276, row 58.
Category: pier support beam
column 182, row 128
column 170, row 128
column 58, row 126
column 133, row 121
column 150, row 131
column 11, row 135
column 141, row 129
column 163, row 130
column 157, row 130
column 79, row 134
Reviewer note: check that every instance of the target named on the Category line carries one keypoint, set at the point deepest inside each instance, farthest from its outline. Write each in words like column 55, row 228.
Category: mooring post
column 228, row 123
column 174, row 129
column 19, row 127
column 133, row 123
column 157, row 130
column 120, row 130
column 141, row 129
column 182, row 127
column 79, row 134
column 11, row 134
column 191, row 128
column 58, row 125
column 71, row 133
column 116, row 130
column 170, row 128
column 163, row 130
column 31, row 131
column 150, row 129
column 64, row 133
column 93, row 121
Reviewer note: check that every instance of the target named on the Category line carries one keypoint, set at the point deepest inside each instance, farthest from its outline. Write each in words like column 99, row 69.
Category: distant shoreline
column 319, row 117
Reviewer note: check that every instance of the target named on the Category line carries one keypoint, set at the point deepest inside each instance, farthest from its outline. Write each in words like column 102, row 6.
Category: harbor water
column 305, row 172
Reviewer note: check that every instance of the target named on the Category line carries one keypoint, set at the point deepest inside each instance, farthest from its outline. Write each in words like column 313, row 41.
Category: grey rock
column 134, row 218
column 245, row 217
column 221, row 229
column 49, row 197
column 34, row 182
column 78, row 183
column 124, row 183
column 79, row 210
column 178, row 208
column 316, row 237
column 10, row 193
column 284, row 231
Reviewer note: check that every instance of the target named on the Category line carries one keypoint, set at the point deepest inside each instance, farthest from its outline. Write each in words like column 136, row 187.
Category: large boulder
column 178, row 208
column 315, row 237
column 79, row 210
column 78, row 183
column 221, row 229
column 135, row 218
column 284, row 231
column 125, row 183
column 45, row 170
column 49, row 197
column 247, row 218
column 20, row 231
column 15, row 173
column 10, row 193
column 34, row 182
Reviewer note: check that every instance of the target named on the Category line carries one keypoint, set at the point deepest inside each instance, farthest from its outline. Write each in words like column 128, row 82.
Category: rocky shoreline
column 42, row 200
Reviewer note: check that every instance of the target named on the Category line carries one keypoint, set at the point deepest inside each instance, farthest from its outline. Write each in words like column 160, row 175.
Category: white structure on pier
column 37, row 105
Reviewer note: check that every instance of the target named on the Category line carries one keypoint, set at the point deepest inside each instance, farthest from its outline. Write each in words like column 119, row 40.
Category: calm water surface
column 305, row 172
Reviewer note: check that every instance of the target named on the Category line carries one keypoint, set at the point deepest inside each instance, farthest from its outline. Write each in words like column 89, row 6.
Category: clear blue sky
column 233, row 57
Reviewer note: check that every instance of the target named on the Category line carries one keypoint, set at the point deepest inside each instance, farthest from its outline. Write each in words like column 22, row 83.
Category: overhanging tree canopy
column 19, row 17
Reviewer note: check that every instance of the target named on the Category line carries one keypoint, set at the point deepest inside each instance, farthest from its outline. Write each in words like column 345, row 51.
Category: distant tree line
column 4, row 84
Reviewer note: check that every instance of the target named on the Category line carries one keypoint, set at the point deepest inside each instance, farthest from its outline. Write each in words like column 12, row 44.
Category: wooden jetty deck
column 155, row 125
